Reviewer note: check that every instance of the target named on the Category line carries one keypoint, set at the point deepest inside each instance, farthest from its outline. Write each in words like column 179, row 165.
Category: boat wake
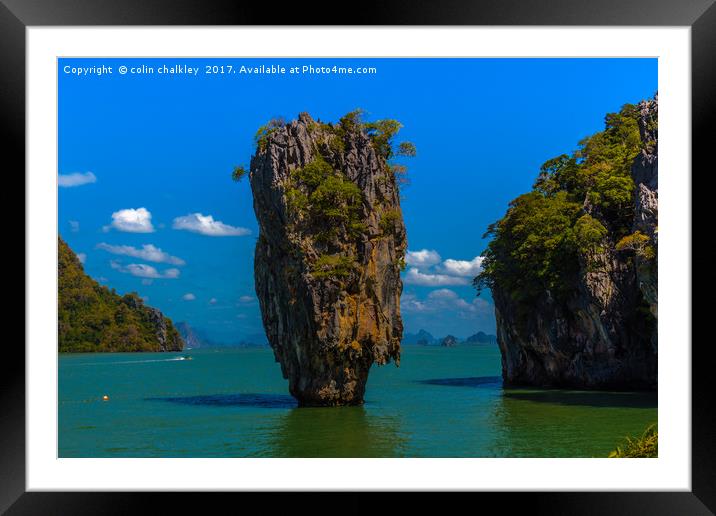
column 173, row 359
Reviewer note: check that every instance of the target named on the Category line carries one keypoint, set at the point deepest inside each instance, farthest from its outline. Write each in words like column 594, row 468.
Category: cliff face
column 92, row 317
column 645, row 174
column 328, row 257
column 602, row 334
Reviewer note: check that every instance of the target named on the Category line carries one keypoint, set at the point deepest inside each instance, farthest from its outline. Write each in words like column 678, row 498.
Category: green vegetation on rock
column 579, row 205
column 238, row 173
column 329, row 198
column 91, row 317
column 326, row 205
column 333, row 266
column 263, row 132
column 644, row 446
column 639, row 243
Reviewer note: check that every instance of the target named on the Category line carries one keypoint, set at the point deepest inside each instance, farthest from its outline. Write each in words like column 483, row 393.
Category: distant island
column 196, row 339
column 93, row 317
column 425, row 338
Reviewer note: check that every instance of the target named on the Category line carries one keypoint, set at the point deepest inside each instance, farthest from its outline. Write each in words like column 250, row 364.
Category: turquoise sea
column 440, row 402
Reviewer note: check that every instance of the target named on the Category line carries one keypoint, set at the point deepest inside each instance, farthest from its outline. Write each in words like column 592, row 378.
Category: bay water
column 440, row 402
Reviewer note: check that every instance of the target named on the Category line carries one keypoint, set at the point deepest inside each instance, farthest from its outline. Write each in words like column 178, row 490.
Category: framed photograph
column 424, row 252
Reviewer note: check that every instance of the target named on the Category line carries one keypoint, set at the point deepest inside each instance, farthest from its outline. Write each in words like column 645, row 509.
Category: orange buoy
column 105, row 398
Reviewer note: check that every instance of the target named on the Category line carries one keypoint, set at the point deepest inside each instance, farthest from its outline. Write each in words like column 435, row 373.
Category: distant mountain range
column 196, row 338
column 424, row 338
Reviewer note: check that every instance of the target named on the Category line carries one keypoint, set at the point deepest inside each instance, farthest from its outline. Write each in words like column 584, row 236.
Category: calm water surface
column 440, row 402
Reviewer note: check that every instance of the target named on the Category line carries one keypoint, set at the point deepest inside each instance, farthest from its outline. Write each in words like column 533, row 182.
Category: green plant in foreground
column 645, row 446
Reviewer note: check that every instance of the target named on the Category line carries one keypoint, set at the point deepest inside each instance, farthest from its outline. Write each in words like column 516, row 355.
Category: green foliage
column 238, row 173
column 407, row 149
column 600, row 170
column 333, row 266
column 262, row 134
column 353, row 121
column 639, row 243
column 576, row 202
column 645, row 446
column 328, row 207
column 336, row 199
column 533, row 245
column 92, row 317
column 589, row 234
column 381, row 133
column 388, row 220
column 328, row 197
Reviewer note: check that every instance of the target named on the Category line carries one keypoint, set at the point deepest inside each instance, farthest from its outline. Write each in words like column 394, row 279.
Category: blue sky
column 145, row 160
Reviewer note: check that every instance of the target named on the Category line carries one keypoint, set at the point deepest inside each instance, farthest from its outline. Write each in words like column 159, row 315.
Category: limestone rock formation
column 422, row 338
column 91, row 317
column 191, row 338
column 449, row 341
column 603, row 335
column 328, row 258
column 646, row 178
column 481, row 338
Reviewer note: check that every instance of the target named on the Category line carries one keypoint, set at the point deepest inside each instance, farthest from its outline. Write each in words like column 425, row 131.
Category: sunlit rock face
column 328, row 257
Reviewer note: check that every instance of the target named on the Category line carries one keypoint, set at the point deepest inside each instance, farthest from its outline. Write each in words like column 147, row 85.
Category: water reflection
column 590, row 398
column 336, row 432
column 233, row 400
column 475, row 381
column 558, row 423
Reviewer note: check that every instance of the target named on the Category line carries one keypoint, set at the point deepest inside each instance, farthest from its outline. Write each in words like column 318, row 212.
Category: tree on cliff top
column 577, row 200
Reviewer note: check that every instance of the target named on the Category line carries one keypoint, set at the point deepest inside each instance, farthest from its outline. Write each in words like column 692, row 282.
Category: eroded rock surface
column 328, row 257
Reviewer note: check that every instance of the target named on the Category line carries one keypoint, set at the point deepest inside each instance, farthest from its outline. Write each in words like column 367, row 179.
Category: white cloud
column 142, row 270
column 246, row 299
column 188, row 297
column 148, row 252
column 445, row 300
column 465, row 268
column 422, row 258
column 428, row 269
column 76, row 179
column 213, row 301
column 132, row 221
column 443, row 293
column 74, row 226
column 206, row 225
column 147, row 281
column 82, row 257
column 415, row 277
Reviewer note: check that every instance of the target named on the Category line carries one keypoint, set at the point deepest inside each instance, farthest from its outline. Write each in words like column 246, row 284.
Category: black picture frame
column 700, row 15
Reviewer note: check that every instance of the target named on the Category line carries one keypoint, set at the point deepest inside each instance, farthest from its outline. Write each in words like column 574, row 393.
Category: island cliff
column 572, row 265
column 330, row 250
column 91, row 317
